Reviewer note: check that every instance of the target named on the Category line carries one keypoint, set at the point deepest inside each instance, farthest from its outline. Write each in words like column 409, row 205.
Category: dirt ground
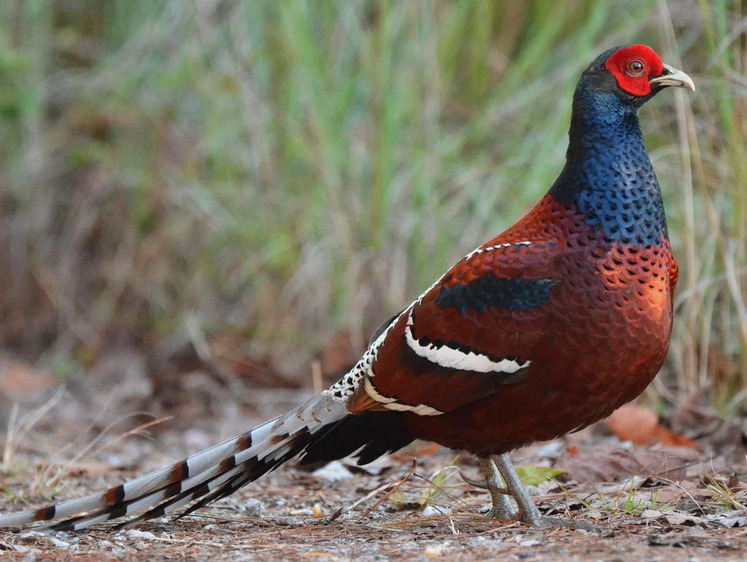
column 654, row 503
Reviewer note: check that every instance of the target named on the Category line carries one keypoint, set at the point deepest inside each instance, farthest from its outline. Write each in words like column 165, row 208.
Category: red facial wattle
column 622, row 65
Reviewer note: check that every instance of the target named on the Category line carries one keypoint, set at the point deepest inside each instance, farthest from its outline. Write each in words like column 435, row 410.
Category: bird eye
column 635, row 68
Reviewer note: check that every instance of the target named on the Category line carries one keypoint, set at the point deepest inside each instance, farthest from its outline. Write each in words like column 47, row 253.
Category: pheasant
column 541, row 331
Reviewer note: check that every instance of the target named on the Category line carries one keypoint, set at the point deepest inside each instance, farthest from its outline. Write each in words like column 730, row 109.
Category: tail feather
column 162, row 499
column 136, row 488
column 165, row 501
column 320, row 429
column 221, row 486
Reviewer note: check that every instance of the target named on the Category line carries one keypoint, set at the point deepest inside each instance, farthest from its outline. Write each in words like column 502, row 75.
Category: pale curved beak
column 670, row 76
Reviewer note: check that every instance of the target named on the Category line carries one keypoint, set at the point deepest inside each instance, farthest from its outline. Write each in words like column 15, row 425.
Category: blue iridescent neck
column 608, row 175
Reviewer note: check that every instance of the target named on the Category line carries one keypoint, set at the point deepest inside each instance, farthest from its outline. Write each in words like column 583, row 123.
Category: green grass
column 285, row 170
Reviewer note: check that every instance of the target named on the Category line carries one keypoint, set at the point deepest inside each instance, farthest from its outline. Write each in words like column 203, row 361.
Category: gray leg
column 501, row 505
column 528, row 512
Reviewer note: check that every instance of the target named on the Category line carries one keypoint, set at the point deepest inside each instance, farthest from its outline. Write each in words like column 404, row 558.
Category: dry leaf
column 21, row 382
column 610, row 465
column 640, row 425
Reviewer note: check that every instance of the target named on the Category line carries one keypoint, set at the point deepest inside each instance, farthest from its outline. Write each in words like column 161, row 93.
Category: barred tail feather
column 209, row 474
column 366, row 436
column 132, row 489
column 176, row 495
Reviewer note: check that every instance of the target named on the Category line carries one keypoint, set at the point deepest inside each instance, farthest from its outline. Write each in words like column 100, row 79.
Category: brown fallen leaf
column 417, row 449
column 640, row 425
column 21, row 382
column 667, row 437
column 611, row 465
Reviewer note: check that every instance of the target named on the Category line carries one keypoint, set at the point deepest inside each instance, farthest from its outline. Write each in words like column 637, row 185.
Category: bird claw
column 500, row 509
column 482, row 484
column 497, row 512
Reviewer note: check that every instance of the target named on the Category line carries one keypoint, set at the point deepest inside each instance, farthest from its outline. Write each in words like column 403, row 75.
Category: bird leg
column 528, row 512
column 494, row 483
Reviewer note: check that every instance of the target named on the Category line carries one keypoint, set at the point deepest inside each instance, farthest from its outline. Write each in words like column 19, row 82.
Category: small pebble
column 481, row 540
column 253, row 508
column 301, row 511
column 145, row 535
column 552, row 450
column 433, row 551
column 63, row 545
column 30, row 534
column 333, row 471
column 435, row 510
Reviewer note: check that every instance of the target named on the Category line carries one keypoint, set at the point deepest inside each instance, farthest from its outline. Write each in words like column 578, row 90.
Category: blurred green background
column 268, row 180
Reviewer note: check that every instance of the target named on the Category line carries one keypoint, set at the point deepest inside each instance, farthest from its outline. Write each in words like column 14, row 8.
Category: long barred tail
column 319, row 430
